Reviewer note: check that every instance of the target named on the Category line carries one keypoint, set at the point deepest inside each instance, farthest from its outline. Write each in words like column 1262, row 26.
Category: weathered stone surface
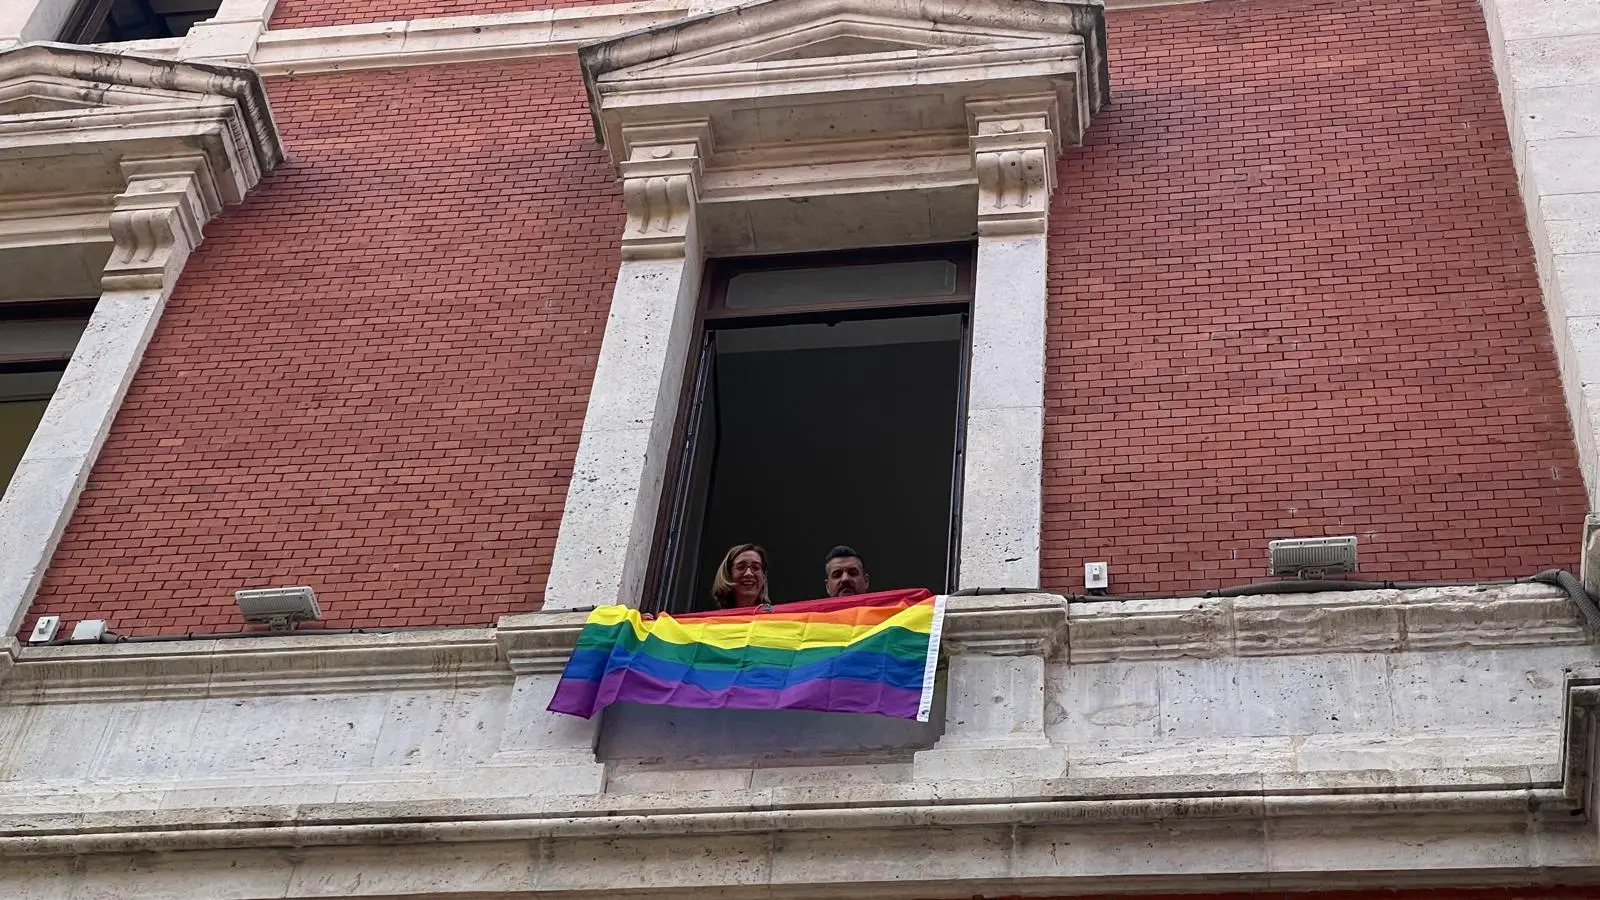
column 1051, row 773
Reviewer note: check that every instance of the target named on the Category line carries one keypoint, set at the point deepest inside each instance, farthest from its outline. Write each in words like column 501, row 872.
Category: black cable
column 1568, row 582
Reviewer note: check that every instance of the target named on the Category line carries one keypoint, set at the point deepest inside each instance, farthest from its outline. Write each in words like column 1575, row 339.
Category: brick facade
column 316, row 13
column 1291, row 295
column 372, row 376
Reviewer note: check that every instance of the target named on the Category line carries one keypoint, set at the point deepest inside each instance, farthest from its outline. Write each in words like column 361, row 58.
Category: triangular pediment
column 816, row 32
column 786, row 119
column 39, row 94
column 70, row 115
column 38, row 79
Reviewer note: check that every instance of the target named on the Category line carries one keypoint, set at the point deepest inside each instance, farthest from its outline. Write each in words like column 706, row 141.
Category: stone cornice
column 304, row 51
column 1006, row 624
column 454, row 39
column 933, row 836
column 538, row 643
column 1362, row 621
column 256, row 666
column 914, row 63
column 1076, row 809
column 998, row 625
column 92, row 85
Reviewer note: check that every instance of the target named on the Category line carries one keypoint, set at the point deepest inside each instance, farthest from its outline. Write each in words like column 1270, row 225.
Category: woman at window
column 742, row 578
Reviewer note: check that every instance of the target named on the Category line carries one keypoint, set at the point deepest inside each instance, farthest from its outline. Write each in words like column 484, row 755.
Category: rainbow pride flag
column 875, row 653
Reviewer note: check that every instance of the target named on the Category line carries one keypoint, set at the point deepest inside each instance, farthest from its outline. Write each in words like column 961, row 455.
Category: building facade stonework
column 412, row 302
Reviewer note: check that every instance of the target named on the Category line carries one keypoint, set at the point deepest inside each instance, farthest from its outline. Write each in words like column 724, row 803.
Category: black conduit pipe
column 1568, row 582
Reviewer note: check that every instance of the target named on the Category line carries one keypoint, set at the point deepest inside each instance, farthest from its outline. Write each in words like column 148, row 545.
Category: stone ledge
column 1439, row 618
column 873, row 808
column 993, row 625
column 1006, row 624
column 256, row 666
column 907, row 863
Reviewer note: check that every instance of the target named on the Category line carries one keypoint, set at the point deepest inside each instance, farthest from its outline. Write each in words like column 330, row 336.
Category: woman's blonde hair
column 723, row 591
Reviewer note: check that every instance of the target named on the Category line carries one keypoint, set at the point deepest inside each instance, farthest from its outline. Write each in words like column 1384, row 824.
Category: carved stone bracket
column 660, row 187
column 1006, row 625
column 158, row 220
column 539, row 643
column 1014, row 146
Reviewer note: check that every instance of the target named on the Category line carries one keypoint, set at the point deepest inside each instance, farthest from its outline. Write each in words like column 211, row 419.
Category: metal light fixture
column 278, row 608
column 1312, row 557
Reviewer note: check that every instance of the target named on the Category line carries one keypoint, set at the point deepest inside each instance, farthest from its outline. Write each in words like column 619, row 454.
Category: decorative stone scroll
column 660, row 180
column 156, row 223
column 1014, row 154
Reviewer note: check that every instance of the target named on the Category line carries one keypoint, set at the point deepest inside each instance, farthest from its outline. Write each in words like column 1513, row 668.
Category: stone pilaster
column 608, row 523
column 1013, row 153
column 559, row 747
column 995, row 700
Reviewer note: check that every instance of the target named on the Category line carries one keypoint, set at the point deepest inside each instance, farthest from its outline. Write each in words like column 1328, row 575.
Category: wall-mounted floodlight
column 1312, row 557
column 278, row 608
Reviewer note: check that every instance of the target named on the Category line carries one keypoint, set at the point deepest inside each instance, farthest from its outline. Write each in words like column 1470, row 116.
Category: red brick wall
column 309, row 13
column 372, row 376
column 1292, row 294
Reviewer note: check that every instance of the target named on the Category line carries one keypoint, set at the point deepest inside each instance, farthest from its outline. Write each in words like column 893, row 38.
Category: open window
column 107, row 21
column 825, row 406
column 36, row 341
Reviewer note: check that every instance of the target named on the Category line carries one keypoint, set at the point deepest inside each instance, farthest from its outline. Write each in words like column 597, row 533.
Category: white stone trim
column 230, row 35
column 608, row 523
column 1046, row 626
column 24, row 21
column 999, row 819
column 239, row 34
column 1547, row 60
column 1391, row 621
column 187, row 139
column 993, row 92
column 261, row 666
column 454, row 39
column 1014, row 146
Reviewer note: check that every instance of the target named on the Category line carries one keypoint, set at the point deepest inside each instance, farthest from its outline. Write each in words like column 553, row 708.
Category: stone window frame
column 714, row 313
column 185, row 140
column 675, row 104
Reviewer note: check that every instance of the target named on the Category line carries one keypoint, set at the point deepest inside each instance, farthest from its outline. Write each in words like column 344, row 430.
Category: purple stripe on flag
column 585, row 698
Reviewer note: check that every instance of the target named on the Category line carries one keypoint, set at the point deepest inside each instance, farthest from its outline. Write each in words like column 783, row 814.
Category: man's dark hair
column 840, row 552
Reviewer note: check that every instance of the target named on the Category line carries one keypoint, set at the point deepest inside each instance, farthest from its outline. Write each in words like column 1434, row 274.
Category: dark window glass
column 825, row 406
column 107, row 21
column 36, row 341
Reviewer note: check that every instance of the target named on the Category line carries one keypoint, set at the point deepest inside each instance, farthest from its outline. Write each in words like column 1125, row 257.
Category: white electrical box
column 1096, row 576
column 45, row 629
column 89, row 630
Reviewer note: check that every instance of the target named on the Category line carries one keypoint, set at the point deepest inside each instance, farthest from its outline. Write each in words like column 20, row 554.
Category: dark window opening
column 107, row 21
column 36, row 341
column 825, row 406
